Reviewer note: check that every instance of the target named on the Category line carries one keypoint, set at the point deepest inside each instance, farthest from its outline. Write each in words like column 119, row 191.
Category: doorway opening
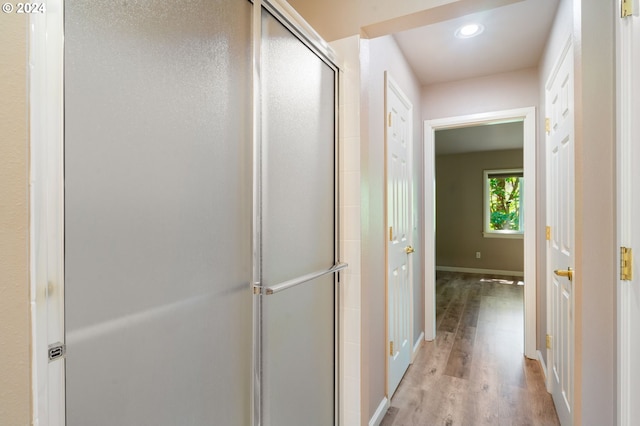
column 526, row 116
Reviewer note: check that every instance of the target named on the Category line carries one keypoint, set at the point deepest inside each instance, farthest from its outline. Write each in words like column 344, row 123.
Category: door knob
column 564, row 273
column 409, row 249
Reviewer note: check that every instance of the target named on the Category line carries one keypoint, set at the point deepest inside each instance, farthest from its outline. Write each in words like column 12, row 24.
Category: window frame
column 486, row 219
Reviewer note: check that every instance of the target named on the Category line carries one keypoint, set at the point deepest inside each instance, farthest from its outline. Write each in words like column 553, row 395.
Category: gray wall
column 459, row 212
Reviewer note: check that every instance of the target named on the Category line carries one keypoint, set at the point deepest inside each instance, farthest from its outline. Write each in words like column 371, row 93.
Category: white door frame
column 627, row 62
column 46, row 56
column 528, row 117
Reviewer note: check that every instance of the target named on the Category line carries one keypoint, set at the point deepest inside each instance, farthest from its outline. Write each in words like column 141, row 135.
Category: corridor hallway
column 474, row 373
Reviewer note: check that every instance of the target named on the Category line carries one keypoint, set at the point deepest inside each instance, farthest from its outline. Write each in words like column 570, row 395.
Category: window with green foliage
column 503, row 202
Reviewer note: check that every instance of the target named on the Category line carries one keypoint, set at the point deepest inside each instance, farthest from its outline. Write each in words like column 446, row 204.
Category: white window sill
column 510, row 235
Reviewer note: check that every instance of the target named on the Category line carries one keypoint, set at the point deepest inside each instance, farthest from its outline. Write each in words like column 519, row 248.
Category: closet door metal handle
column 258, row 289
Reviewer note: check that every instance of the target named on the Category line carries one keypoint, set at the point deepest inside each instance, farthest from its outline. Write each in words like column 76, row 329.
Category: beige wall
column 15, row 399
column 459, row 212
column 380, row 55
column 336, row 19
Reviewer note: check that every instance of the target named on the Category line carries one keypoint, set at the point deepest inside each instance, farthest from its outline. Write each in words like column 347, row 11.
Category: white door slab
column 399, row 249
column 560, row 216
column 528, row 118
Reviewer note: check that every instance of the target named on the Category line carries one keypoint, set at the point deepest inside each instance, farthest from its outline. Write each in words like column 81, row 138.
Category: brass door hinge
column 547, row 125
column 391, row 233
column 548, row 233
column 390, row 348
column 389, row 119
column 548, row 341
column 626, row 8
column 626, row 264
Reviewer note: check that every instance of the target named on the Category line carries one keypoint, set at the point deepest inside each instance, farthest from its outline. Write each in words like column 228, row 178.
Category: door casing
column 528, row 117
column 628, row 304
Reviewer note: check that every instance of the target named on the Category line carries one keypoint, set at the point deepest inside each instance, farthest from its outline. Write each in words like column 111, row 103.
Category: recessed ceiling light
column 469, row 30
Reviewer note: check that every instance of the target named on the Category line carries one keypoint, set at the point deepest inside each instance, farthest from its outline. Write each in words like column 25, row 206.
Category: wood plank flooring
column 474, row 372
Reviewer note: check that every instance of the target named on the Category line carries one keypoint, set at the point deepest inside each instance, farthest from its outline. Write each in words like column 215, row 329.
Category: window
column 503, row 195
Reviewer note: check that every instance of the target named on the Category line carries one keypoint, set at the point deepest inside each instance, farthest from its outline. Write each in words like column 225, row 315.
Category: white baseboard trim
column 543, row 365
column 479, row 271
column 417, row 346
column 380, row 412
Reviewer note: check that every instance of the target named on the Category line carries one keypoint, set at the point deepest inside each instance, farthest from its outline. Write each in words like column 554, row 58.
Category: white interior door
column 560, row 202
column 398, row 188
column 629, row 211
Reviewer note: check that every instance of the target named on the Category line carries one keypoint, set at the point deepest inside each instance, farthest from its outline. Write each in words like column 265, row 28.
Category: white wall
column 495, row 92
column 383, row 54
column 595, row 222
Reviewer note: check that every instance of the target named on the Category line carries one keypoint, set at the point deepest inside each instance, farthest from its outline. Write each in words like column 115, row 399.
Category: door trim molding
column 46, row 211
column 528, row 117
column 624, row 164
column 378, row 416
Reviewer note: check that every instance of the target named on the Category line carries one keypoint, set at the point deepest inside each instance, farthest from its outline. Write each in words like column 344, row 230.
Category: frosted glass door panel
column 298, row 229
column 298, row 156
column 157, row 212
column 298, row 351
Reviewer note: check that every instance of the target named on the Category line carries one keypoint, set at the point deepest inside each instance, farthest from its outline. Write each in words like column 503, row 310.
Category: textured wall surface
column 460, row 212
column 14, row 224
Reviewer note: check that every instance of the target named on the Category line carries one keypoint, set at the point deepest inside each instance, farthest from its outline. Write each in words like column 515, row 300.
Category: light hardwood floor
column 474, row 372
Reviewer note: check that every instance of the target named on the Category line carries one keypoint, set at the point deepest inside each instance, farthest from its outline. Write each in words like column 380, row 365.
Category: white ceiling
column 513, row 39
column 490, row 137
